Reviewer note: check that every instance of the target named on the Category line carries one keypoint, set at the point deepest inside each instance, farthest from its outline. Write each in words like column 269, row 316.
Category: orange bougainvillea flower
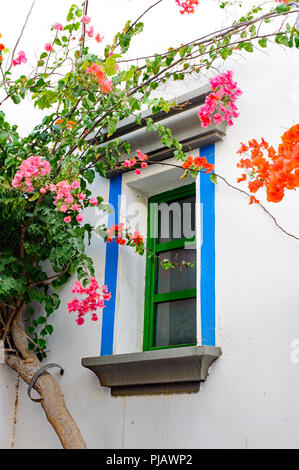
column 253, row 199
column 69, row 124
column 198, row 163
column 274, row 170
column 188, row 163
column 243, row 177
column 2, row 47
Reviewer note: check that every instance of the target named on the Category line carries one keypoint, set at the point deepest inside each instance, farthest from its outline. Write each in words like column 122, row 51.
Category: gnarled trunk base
column 52, row 399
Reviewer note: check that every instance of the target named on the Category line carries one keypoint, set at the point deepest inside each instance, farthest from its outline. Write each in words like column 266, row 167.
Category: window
column 170, row 295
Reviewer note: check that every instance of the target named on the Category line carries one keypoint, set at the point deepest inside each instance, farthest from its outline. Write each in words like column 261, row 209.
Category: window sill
column 174, row 370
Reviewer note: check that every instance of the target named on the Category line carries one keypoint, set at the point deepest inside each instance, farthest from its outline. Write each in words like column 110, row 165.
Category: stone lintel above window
column 171, row 370
column 183, row 122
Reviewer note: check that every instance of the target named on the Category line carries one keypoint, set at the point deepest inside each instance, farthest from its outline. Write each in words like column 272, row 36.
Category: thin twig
column 21, row 34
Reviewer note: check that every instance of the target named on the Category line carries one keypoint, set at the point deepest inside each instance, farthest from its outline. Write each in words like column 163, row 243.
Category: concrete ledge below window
column 174, row 370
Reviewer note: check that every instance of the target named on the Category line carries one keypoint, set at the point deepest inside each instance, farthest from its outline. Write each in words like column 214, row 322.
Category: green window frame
column 152, row 298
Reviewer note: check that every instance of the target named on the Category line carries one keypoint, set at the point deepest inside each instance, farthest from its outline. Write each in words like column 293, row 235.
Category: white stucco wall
column 251, row 397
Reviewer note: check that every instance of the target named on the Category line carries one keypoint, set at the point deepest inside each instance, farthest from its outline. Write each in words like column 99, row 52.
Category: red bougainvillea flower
column 273, row 170
column 98, row 38
column 49, row 47
column 187, row 5
column 123, row 236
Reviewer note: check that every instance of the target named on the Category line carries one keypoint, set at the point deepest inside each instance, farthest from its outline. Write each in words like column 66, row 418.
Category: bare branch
column 21, row 34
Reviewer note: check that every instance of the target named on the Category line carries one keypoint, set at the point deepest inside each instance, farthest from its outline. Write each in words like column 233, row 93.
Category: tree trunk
column 52, row 399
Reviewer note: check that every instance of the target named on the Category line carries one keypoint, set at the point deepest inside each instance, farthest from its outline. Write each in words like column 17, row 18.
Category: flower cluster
column 30, row 169
column 68, row 123
column 140, row 158
column 20, row 59
column 91, row 303
column 187, row 5
column 90, row 32
column 123, row 236
column 274, row 170
column 2, row 48
column 69, row 198
column 220, row 104
column 105, row 84
column 198, row 163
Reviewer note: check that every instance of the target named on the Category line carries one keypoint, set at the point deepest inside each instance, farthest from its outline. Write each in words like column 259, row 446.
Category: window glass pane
column 176, row 219
column 175, row 323
column 179, row 278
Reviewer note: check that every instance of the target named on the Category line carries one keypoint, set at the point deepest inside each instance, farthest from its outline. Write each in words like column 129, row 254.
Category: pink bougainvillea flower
column 91, row 302
column 20, row 59
column 64, row 208
column 76, row 184
column 81, row 196
column 67, row 219
column 90, row 32
column 137, row 171
column 220, row 103
column 58, row 27
column 79, row 218
column 98, row 38
column 105, row 84
column 29, row 172
column 93, row 201
column 48, row 47
column 86, row 19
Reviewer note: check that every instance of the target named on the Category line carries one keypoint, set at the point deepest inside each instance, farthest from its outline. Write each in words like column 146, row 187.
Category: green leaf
column 263, row 42
column 282, row 39
column 282, row 8
column 16, row 98
column 213, row 178
column 248, row 46
column 89, row 175
column 50, row 329
column 34, row 197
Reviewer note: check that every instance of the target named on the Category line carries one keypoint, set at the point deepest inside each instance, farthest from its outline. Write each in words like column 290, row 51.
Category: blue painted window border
column 111, row 267
column 207, row 262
